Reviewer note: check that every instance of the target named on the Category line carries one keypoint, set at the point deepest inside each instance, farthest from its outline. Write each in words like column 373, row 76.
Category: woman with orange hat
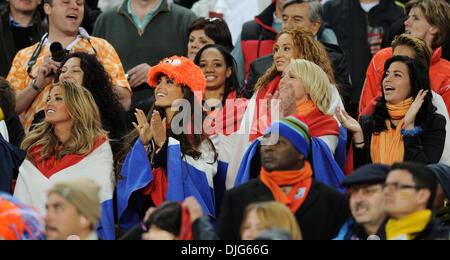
column 168, row 157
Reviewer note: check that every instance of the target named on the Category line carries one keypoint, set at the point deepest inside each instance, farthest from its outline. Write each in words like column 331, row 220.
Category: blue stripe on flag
column 219, row 184
column 340, row 154
column 243, row 174
column 182, row 185
column 326, row 169
column 137, row 174
column 105, row 228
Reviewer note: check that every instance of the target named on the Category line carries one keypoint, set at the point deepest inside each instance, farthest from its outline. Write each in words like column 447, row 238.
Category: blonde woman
column 69, row 144
column 313, row 98
column 296, row 43
column 265, row 215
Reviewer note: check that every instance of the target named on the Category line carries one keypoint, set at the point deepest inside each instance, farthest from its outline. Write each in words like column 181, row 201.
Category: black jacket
column 11, row 159
column 258, row 37
column 434, row 231
column 320, row 217
column 257, row 68
column 7, row 45
column 260, row 28
column 202, row 229
column 444, row 215
column 425, row 148
column 15, row 130
column 354, row 231
column 338, row 63
column 350, row 22
column 185, row 3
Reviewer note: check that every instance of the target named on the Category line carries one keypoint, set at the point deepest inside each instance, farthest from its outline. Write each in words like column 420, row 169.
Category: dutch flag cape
column 186, row 177
column 33, row 185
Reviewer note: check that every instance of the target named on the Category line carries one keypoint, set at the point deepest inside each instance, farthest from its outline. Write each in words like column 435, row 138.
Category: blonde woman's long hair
column 86, row 127
column 306, row 47
column 274, row 214
column 315, row 82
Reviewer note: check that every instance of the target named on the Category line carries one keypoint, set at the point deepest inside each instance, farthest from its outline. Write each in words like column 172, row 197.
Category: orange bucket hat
column 183, row 71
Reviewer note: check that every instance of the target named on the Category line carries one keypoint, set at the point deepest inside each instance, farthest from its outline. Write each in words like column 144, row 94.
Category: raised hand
column 347, row 121
column 138, row 75
column 410, row 116
column 194, row 208
column 143, row 127
column 47, row 71
column 288, row 104
column 158, row 128
column 350, row 124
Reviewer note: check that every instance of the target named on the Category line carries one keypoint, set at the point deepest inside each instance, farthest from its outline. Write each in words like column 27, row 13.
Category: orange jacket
column 439, row 77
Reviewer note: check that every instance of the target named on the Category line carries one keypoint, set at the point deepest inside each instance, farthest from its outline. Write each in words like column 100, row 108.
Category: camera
column 58, row 52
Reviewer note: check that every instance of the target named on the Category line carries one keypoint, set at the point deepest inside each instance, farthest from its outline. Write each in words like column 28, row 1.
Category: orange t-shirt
column 19, row 78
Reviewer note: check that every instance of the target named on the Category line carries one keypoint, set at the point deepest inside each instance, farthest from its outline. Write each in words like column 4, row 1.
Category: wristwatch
column 34, row 86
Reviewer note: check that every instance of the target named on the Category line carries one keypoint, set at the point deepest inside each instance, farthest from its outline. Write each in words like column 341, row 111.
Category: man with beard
column 366, row 201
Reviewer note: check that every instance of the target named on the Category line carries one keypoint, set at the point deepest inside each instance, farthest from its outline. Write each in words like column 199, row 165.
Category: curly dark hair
column 231, row 83
column 419, row 79
column 98, row 82
column 7, row 98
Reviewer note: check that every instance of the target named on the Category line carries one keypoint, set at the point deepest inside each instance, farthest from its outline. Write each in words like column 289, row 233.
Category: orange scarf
column 388, row 147
column 300, row 179
column 305, row 108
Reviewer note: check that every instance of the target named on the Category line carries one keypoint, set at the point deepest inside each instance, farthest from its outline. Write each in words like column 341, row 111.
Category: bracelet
column 409, row 133
column 359, row 143
column 34, row 86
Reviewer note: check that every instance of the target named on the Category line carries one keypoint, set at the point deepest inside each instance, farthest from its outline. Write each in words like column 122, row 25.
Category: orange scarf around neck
column 399, row 111
column 388, row 147
column 305, row 108
column 300, row 180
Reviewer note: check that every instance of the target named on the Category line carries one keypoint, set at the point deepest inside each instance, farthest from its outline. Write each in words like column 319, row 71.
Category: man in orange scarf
column 287, row 177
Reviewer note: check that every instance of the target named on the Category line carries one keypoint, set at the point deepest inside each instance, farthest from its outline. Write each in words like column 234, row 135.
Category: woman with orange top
column 404, row 125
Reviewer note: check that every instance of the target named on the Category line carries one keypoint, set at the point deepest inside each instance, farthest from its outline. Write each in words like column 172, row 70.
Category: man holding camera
column 33, row 68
